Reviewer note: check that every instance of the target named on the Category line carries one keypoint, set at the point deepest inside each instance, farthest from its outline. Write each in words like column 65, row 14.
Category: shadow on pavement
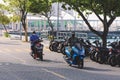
column 91, row 68
column 52, row 61
column 95, row 69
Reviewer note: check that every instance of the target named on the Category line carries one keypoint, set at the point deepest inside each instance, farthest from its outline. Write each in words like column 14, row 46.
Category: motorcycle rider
column 71, row 42
column 34, row 37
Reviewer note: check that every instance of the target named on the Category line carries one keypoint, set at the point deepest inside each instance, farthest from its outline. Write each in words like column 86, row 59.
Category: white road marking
column 54, row 73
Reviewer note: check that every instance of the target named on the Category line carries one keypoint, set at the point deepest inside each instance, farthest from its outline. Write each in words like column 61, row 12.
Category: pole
column 39, row 27
column 75, row 21
column 20, row 31
column 57, row 21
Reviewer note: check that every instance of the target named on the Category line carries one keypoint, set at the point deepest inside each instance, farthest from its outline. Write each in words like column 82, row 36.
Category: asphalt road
column 17, row 64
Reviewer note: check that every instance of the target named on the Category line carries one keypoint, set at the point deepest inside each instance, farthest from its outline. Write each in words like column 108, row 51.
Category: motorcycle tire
column 112, row 60
column 92, row 56
column 50, row 47
column 41, row 57
column 118, row 59
column 35, row 54
column 63, row 51
column 100, row 59
column 80, row 64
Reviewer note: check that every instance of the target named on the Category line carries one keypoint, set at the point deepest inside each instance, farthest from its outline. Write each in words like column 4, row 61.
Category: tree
column 44, row 8
column 21, row 7
column 4, row 20
column 109, row 9
column 15, row 18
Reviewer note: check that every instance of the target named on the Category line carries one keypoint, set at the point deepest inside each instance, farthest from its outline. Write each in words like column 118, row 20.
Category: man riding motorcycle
column 71, row 42
column 34, row 37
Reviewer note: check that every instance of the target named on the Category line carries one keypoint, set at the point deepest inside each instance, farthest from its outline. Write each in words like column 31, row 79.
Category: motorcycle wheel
column 63, row 51
column 80, row 64
column 118, row 60
column 100, row 58
column 35, row 54
column 112, row 60
column 50, row 47
column 92, row 56
column 41, row 56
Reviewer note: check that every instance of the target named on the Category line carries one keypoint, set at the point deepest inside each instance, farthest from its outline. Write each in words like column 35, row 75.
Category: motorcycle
column 114, row 58
column 78, row 55
column 53, row 45
column 37, row 52
column 99, row 54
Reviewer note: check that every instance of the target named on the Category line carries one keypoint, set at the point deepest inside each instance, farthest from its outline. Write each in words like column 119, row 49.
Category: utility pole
column 57, row 20
column 20, row 31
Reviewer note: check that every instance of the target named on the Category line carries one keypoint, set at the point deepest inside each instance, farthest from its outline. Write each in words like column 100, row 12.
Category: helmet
column 73, row 33
column 34, row 32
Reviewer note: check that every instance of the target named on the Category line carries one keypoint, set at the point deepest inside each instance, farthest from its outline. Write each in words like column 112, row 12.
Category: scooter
column 78, row 55
column 38, row 50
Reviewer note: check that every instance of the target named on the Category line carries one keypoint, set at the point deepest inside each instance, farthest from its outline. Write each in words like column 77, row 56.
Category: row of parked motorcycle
column 94, row 50
column 59, row 46
column 103, row 55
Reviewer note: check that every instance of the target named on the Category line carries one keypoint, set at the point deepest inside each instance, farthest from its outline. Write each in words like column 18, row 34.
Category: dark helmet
column 73, row 33
column 34, row 32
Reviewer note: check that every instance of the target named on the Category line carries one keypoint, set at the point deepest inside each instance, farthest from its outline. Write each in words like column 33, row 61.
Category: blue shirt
column 34, row 37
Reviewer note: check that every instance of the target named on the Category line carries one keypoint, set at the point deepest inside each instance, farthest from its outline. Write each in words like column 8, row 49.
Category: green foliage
column 40, row 6
column 19, row 7
column 4, row 19
column 44, row 8
column 6, row 34
column 109, row 7
column 15, row 18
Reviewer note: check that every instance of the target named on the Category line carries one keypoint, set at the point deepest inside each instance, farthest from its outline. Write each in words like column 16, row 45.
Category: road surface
column 17, row 64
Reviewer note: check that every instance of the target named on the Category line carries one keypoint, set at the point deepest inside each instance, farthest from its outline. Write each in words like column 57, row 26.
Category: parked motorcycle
column 78, row 55
column 87, row 45
column 53, row 45
column 99, row 54
column 38, row 50
column 60, row 46
column 114, row 58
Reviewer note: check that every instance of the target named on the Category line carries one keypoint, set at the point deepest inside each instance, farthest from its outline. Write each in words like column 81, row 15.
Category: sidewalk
column 4, row 38
column 7, row 39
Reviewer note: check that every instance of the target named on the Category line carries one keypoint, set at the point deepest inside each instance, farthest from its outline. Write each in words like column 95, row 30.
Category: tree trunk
column 5, row 28
column 51, row 25
column 104, row 41
column 26, row 36
column 25, row 29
